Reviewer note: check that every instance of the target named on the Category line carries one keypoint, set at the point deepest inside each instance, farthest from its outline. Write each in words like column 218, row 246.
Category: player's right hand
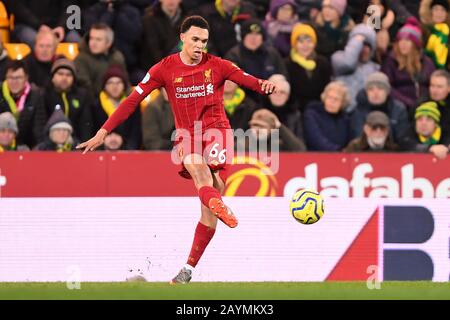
column 94, row 142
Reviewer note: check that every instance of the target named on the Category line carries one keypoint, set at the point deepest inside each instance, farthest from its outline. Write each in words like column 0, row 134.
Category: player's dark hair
column 194, row 21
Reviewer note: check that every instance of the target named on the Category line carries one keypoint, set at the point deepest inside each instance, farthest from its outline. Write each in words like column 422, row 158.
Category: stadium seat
column 17, row 51
column 5, row 23
column 68, row 49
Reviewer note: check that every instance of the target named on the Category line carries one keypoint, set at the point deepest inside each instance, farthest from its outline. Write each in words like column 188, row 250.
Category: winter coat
column 360, row 144
column 308, row 86
column 80, row 103
column 91, row 68
column 262, row 63
column 394, row 109
column 39, row 72
column 223, row 35
column 410, row 141
column 125, row 21
column 160, row 35
column 32, row 118
column 325, row 131
column 403, row 86
column 330, row 40
column 347, row 66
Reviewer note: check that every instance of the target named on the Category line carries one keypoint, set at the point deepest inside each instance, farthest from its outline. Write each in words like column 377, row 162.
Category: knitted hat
column 411, row 30
column 115, row 71
column 377, row 118
column 339, row 6
column 63, row 63
column 378, row 79
column 429, row 109
column 58, row 121
column 443, row 3
column 252, row 25
column 301, row 29
column 7, row 121
column 277, row 4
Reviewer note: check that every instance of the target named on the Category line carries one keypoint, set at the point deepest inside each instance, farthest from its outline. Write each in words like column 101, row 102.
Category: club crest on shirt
column 208, row 75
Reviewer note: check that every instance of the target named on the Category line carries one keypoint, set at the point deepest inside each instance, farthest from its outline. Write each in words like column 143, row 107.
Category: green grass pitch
column 227, row 291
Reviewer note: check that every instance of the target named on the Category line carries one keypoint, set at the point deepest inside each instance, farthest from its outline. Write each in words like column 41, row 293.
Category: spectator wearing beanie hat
column 64, row 93
column 58, row 132
column 255, row 56
column 376, row 96
column 332, row 26
column 354, row 64
column 279, row 23
column 434, row 15
column 8, row 133
column 308, row 71
column 115, row 88
column 426, row 135
column 407, row 67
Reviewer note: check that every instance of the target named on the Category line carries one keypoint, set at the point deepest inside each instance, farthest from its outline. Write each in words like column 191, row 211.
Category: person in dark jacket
column 225, row 18
column 76, row 102
column 41, row 59
column 332, row 25
column 96, row 54
column 376, row 97
column 24, row 101
column 326, row 124
column 426, row 135
column 115, row 89
column 161, row 25
column 308, row 71
column 439, row 92
column 284, row 106
column 375, row 136
column 58, row 134
column 126, row 22
column 254, row 56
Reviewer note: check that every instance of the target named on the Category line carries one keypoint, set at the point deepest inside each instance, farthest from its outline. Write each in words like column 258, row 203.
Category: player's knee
column 202, row 178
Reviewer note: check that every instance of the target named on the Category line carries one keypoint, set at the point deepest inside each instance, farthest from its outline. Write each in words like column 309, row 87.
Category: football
column 307, row 206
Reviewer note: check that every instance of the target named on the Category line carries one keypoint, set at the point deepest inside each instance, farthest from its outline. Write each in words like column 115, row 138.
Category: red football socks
column 206, row 193
column 203, row 235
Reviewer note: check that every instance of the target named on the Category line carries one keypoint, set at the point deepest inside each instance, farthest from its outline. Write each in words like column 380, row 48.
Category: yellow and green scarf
column 64, row 148
column 219, row 8
column 309, row 65
column 233, row 103
column 437, row 48
column 107, row 105
column 11, row 147
column 433, row 139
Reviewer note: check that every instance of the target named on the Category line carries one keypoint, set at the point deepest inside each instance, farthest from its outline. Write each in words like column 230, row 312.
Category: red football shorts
column 215, row 145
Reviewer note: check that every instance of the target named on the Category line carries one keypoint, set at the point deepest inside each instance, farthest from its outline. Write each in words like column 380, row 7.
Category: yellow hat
column 302, row 29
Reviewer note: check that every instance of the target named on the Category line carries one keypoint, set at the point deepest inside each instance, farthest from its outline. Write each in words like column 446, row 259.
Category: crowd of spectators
column 353, row 76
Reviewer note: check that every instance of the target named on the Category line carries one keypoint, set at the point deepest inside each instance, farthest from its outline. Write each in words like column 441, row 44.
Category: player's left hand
column 267, row 86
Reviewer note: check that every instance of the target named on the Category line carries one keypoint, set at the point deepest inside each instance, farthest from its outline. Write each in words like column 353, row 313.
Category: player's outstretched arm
column 238, row 76
column 95, row 142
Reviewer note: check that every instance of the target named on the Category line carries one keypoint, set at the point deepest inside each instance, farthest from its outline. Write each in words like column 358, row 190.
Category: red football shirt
column 195, row 92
